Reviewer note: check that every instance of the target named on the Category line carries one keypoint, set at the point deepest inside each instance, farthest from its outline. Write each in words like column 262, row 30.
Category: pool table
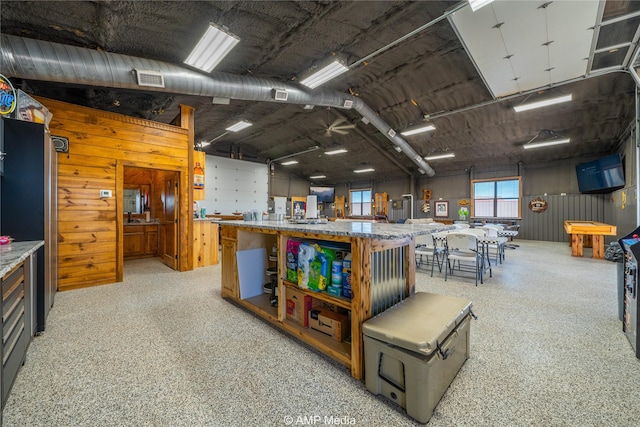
column 578, row 229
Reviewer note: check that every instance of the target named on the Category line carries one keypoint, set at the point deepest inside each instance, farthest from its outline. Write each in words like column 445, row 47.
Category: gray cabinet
column 29, row 202
column 17, row 299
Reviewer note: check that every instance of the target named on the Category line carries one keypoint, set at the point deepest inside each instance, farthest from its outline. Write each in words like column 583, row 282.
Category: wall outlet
column 105, row 193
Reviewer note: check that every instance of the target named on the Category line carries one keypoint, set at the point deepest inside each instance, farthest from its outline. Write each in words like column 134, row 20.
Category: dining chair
column 463, row 247
column 427, row 246
column 479, row 232
column 496, row 248
column 461, row 226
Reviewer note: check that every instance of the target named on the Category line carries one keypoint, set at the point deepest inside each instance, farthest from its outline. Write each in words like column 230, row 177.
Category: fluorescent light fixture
column 242, row 124
column 547, row 143
column 290, row 162
column 205, row 143
column 214, row 45
column 338, row 151
column 477, row 4
column 543, row 103
column 418, row 130
column 364, row 170
column 440, row 156
column 317, row 177
column 324, row 74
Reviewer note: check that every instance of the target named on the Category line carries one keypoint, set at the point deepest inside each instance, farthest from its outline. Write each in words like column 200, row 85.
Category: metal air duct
column 40, row 60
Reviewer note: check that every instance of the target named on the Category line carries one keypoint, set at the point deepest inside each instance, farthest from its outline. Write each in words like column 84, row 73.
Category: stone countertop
column 16, row 252
column 342, row 228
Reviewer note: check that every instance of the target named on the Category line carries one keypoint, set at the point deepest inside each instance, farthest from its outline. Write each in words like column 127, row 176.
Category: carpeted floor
column 163, row 349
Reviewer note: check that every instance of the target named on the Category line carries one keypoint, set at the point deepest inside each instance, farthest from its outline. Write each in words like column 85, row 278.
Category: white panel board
column 252, row 264
column 235, row 185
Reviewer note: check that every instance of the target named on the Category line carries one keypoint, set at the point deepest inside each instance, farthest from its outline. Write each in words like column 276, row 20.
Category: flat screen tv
column 324, row 194
column 601, row 176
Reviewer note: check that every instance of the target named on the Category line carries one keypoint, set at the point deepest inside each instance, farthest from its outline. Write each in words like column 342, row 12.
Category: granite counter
column 16, row 252
column 360, row 229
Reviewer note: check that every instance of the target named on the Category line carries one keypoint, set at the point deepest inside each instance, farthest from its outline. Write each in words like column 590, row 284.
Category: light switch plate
column 105, row 193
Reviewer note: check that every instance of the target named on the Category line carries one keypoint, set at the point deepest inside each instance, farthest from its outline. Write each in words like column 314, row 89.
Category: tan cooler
column 414, row 350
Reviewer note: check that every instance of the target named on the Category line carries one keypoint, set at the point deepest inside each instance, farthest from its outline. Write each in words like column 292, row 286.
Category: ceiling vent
column 60, row 143
column 149, row 78
column 391, row 133
column 280, row 94
column 347, row 103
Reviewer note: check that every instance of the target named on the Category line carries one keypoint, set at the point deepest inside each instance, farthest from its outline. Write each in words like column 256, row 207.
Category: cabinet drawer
column 12, row 280
column 12, row 360
column 13, row 302
column 133, row 229
column 14, row 342
column 14, row 321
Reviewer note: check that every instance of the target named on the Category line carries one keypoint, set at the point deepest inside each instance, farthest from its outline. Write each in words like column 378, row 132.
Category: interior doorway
column 170, row 221
column 150, row 215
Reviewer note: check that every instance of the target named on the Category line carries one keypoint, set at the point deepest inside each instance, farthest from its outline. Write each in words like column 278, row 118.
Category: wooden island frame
column 383, row 274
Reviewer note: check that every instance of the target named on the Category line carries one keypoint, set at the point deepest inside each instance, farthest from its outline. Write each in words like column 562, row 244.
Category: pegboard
column 234, row 185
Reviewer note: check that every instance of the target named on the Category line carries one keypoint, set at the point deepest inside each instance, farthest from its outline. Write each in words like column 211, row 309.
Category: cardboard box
column 330, row 306
column 298, row 306
column 332, row 324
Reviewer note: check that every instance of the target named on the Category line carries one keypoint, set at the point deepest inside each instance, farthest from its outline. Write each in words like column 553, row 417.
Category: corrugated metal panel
column 549, row 225
column 388, row 279
column 622, row 212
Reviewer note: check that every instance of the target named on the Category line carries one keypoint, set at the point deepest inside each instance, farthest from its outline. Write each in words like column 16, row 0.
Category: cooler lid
column 419, row 322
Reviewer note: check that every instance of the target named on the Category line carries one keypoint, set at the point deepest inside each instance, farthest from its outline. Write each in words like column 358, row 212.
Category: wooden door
column 170, row 224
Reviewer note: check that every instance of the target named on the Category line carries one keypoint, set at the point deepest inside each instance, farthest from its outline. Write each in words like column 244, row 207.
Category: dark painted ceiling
column 281, row 40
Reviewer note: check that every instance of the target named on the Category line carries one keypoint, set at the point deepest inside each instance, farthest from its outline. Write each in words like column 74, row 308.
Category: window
column 360, row 202
column 496, row 198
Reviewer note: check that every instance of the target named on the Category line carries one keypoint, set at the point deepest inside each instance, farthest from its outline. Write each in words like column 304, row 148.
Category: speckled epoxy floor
column 163, row 349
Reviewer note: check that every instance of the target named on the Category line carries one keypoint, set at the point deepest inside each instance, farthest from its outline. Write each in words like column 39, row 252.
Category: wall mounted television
column 324, row 194
column 601, row 176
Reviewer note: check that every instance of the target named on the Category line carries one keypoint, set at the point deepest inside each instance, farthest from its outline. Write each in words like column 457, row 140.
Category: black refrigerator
column 630, row 244
column 28, row 208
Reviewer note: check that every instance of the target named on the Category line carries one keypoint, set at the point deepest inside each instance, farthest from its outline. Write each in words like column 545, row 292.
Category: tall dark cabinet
column 28, row 208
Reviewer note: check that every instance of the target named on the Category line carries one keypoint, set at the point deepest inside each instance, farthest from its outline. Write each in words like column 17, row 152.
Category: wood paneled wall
column 101, row 144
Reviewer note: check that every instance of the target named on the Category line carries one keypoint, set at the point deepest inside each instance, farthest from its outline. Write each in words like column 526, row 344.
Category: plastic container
column 414, row 366
column 336, row 273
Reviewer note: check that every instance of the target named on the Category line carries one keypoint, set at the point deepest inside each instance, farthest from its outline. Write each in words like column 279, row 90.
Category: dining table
column 440, row 237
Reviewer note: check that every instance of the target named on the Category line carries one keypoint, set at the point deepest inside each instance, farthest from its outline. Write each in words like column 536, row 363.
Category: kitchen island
column 382, row 274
